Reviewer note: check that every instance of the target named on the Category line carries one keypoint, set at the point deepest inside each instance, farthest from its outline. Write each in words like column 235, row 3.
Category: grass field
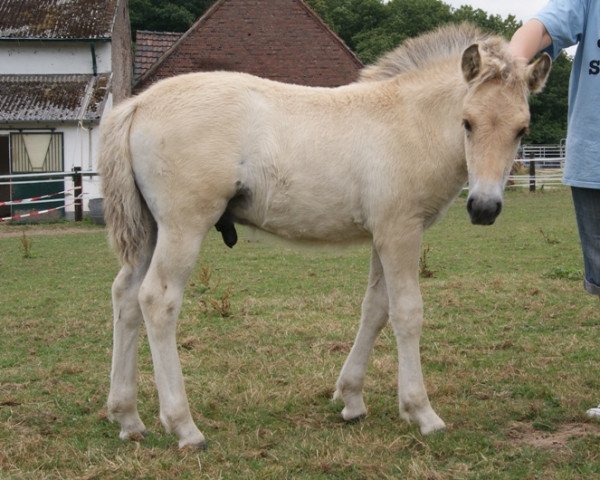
column 510, row 353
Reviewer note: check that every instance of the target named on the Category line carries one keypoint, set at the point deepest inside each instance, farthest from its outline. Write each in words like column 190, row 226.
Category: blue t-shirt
column 571, row 22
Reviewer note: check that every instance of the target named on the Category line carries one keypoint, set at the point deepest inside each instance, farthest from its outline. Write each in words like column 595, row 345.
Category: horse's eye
column 467, row 125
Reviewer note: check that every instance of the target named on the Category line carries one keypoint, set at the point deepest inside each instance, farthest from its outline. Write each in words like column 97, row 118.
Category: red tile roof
column 40, row 98
column 149, row 46
column 57, row 19
column 282, row 40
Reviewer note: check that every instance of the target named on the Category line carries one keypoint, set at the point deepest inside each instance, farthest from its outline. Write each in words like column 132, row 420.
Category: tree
column 166, row 15
column 549, row 108
column 403, row 19
column 491, row 23
column 371, row 27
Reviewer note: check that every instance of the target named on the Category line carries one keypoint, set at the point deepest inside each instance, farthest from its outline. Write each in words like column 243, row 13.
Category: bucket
column 96, row 210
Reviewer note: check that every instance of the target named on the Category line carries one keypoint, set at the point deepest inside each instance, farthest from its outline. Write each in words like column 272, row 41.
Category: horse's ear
column 471, row 62
column 537, row 73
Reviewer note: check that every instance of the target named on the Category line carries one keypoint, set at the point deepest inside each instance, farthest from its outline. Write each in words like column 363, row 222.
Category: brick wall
column 277, row 39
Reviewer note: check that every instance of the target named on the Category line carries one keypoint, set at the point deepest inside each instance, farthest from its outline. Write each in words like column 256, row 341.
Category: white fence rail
column 68, row 181
column 538, row 166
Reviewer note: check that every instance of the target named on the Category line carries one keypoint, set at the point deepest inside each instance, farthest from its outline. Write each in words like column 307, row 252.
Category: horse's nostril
column 470, row 204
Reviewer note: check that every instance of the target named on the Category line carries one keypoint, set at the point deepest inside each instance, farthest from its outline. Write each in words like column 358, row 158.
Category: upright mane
column 445, row 42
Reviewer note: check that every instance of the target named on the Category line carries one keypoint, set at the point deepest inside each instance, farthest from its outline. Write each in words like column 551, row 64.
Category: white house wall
column 81, row 150
column 39, row 58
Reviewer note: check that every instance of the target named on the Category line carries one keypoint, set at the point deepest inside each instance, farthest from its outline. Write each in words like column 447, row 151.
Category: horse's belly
column 306, row 219
column 315, row 229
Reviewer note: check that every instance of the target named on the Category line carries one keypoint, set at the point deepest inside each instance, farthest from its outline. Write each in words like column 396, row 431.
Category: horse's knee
column 375, row 309
column 407, row 317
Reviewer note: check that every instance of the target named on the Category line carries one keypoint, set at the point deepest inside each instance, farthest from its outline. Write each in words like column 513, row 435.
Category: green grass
column 510, row 355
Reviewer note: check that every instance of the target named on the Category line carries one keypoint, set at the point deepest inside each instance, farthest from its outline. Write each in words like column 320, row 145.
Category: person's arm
column 528, row 40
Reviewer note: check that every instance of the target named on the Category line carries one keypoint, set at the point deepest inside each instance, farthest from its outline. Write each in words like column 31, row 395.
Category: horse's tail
column 130, row 223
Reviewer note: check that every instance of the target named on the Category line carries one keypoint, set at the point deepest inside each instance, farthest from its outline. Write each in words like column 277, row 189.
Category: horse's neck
column 435, row 97
column 435, row 100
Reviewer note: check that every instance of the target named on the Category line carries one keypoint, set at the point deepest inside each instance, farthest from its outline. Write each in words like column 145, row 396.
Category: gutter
column 61, row 40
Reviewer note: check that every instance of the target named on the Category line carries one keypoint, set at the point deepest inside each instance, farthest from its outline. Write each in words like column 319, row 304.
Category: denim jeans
column 587, row 210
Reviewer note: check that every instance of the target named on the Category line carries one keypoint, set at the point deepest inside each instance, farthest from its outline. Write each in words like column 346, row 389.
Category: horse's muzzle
column 483, row 211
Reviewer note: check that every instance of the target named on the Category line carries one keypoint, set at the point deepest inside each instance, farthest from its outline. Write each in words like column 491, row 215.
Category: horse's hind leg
column 161, row 296
column 374, row 316
column 127, row 318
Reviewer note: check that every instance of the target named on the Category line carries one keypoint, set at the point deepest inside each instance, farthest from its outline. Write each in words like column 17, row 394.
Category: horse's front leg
column 374, row 316
column 399, row 252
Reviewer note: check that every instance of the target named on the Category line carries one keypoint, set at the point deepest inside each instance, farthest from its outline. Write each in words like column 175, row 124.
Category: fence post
column 78, row 189
column 531, row 172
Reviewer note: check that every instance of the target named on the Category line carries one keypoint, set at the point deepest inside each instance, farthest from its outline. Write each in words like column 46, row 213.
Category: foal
column 380, row 159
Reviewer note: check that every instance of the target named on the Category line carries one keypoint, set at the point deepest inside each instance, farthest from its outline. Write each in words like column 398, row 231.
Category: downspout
column 94, row 64
column 89, row 91
column 86, row 103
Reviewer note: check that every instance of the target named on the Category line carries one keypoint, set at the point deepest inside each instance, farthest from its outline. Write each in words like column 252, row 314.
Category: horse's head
column 495, row 117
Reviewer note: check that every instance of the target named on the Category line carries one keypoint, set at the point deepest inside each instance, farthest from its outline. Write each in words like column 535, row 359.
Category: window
column 36, row 152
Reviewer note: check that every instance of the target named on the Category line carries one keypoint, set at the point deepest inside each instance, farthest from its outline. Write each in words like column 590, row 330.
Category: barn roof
column 149, row 47
column 282, row 40
column 56, row 19
column 52, row 98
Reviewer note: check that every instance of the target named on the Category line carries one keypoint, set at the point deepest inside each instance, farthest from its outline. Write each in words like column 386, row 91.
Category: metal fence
column 538, row 166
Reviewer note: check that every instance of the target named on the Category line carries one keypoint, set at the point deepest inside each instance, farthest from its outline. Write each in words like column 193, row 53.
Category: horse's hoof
column 194, row 446
column 354, row 415
column 594, row 413
column 436, row 427
column 134, row 436
column 355, row 419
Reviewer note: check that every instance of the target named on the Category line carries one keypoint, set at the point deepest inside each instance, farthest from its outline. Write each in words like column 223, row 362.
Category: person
column 559, row 25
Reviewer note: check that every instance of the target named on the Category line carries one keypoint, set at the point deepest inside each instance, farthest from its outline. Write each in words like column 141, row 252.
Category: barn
column 62, row 66
column 282, row 40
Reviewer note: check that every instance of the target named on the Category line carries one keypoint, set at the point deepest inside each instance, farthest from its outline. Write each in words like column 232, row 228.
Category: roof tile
column 56, row 19
column 149, row 47
column 37, row 98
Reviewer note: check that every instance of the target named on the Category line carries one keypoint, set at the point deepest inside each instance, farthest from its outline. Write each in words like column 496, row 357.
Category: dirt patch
column 526, row 434
column 30, row 231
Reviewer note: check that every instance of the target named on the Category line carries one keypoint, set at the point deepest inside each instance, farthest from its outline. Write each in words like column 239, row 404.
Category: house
column 282, row 40
column 63, row 64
